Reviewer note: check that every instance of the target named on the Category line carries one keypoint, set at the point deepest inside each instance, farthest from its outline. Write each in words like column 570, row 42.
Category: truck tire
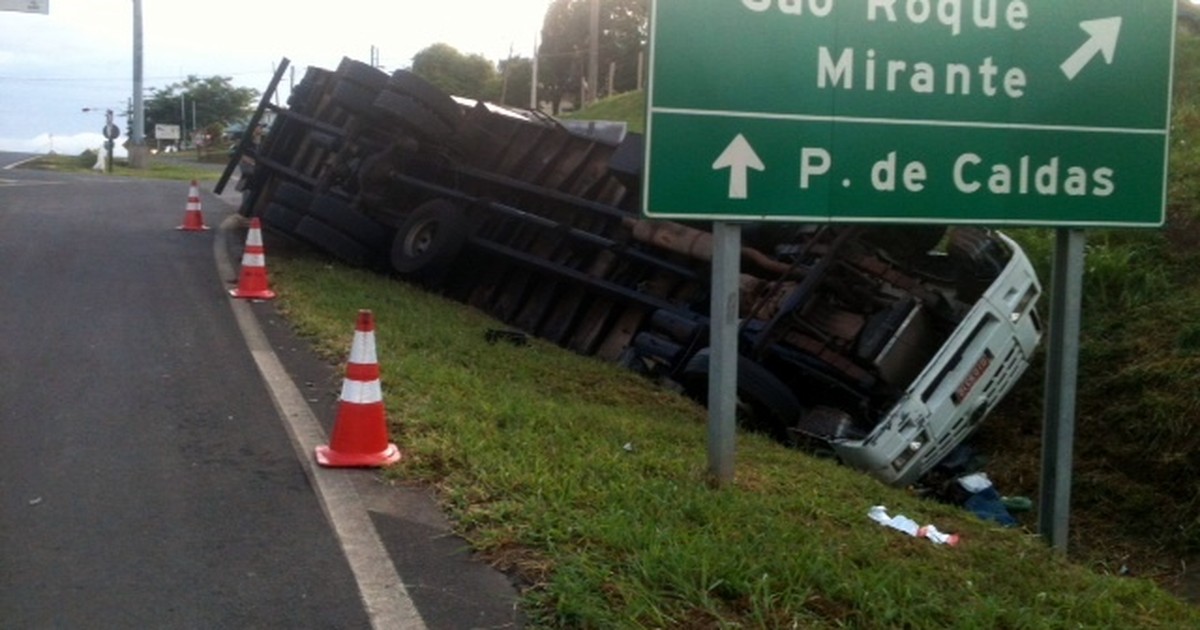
column 764, row 403
column 364, row 74
column 293, row 196
column 978, row 259
column 905, row 243
column 427, row 94
column 249, row 198
column 282, row 218
column 332, row 241
column 341, row 215
column 326, row 141
column 429, row 240
column 355, row 98
column 407, row 111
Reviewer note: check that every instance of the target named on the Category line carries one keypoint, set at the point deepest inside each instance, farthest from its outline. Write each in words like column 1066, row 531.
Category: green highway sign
column 998, row 112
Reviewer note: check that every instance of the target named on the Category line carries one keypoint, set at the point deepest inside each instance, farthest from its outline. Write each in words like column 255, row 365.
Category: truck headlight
column 914, row 447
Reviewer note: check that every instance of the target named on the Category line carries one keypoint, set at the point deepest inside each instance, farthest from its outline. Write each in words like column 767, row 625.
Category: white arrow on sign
column 739, row 157
column 1103, row 36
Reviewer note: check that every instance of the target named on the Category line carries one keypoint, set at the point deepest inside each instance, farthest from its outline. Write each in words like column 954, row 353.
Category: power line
column 116, row 79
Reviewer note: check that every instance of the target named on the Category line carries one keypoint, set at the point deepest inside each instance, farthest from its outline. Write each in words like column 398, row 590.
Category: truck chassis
column 886, row 344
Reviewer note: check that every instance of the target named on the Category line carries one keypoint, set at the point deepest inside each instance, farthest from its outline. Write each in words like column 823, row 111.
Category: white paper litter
column 975, row 483
column 902, row 523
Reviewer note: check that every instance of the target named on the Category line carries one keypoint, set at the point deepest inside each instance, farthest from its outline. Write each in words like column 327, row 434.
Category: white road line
column 13, row 183
column 9, row 167
column 386, row 599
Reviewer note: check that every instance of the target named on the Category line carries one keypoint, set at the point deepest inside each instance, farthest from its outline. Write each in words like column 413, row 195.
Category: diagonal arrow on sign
column 1103, row 36
column 739, row 157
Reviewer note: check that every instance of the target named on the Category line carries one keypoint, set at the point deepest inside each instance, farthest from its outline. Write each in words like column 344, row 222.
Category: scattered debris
column 905, row 524
column 1017, row 504
column 514, row 337
column 984, row 501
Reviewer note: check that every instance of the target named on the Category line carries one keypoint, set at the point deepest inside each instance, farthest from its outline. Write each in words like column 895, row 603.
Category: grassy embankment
column 588, row 483
column 1136, row 492
column 180, row 168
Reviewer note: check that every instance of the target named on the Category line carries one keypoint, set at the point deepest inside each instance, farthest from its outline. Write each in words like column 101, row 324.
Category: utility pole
column 533, row 88
column 594, row 55
column 504, row 82
column 137, row 149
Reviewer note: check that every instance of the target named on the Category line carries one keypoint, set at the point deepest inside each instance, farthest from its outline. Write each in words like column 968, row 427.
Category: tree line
column 562, row 58
column 213, row 104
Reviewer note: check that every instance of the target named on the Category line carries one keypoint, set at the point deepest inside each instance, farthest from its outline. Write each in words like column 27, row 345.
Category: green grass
column 159, row 167
column 1135, row 500
column 629, row 107
column 1137, row 429
column 587, row 482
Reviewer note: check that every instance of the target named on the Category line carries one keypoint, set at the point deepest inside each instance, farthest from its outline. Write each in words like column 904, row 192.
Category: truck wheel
column 764, row 403
column 293, row 196
column 249, row 198
column 332, row 241
column 362, row 73
column 354, row 97
column 978, row 258
column 425, row 93
column 429, row 239
column 326, row 141
column 905, row 243
column 282, row 218
column 357, row 225
column 416, row 117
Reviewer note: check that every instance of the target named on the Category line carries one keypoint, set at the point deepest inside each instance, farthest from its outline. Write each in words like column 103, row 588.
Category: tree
column 562, row 54
column 565, row 46
column 215, row 101
column 514, row 81
column 455, row 73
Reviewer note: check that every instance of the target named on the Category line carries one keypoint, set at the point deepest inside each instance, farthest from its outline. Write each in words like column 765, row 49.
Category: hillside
column 1136, row 493
column 1136, row 496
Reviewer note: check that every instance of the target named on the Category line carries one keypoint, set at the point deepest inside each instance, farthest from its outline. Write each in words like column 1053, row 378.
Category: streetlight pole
column 594, row 53
column 137, row 150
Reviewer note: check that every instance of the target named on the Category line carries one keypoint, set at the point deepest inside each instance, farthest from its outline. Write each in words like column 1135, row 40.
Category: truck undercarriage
column 887, row 343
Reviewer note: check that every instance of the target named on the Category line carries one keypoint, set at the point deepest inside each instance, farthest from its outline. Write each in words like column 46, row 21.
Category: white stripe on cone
column 254, row 238
column 361, row 393
column 254, row 260
column 362, row 350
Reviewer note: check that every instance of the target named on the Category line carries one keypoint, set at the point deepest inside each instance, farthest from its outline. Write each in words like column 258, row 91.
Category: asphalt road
column 146, row 480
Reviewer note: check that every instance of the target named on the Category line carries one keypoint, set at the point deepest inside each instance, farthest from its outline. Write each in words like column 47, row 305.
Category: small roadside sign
column 167, row 132
column 997, row 112
column 26, row 6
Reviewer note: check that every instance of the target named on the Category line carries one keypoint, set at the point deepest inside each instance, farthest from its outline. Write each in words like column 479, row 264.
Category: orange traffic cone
column 193, row 217
column 252, row 283
column 360, row 435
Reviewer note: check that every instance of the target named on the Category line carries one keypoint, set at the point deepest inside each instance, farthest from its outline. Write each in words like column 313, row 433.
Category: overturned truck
column 888, row 345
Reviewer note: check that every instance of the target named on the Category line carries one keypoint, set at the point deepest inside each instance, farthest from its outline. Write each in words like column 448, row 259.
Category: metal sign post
column 1062, row 372
column 723, row 344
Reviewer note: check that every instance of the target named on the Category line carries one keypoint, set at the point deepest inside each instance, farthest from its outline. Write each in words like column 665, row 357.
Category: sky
column 81, row 54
